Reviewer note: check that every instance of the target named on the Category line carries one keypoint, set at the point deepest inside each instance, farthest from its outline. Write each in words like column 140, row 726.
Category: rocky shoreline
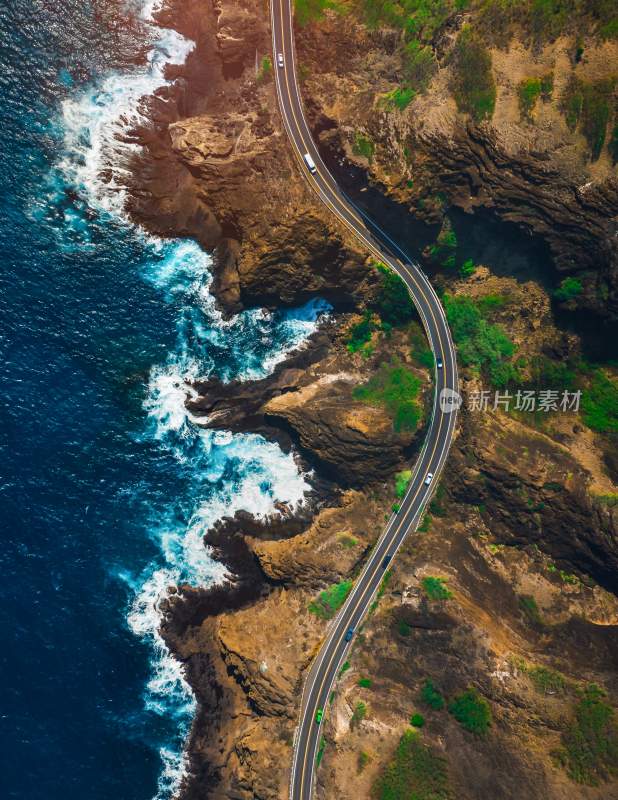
column 215, row 166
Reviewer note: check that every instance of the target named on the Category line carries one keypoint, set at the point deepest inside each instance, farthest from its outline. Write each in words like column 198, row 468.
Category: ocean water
column 106, row 483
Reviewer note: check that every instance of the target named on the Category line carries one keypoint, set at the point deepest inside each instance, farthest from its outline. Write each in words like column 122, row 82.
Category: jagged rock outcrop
column 537, row 493
column 349, row 440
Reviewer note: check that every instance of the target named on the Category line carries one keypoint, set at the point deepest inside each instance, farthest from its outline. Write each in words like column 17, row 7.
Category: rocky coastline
column 518, row 509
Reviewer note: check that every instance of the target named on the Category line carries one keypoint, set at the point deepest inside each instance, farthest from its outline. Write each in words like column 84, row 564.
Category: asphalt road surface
column 326, row 665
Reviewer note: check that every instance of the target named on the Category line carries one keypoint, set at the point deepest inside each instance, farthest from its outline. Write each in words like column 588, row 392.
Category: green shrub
column 528, row 605
column 393, row 303
column 568, row 290
column 359, row 714
column 395, row 388
column 365, row 683
column 590, row 743
column 431, row 696
column 401, row 97
column 472, row 711
column 599, row 403
column 419, row 65
column 402, row 479
column 488, row 304
column 435, row 588
column 363, row 760
column 420, row 350
column 529, row 91
column 403, row 628
column 613, row 145
column 320, row 753
column 417, row 720
column 330, row 600
column 480, row 345
column 265, row 71
column 362, row 146
column 546, row 681
column 307, row 11
column 467, row 269
column 344, row 667
column 444, row 249
column 360, row 333
column 425, row 524
column 415, row 773
column 348, row 541
column 588, row 105
column 473, row 87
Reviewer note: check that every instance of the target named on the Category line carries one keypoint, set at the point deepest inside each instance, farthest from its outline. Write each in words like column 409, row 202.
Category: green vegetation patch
column 402, row 479
column 417, row 720
column 393, row 303
column 360, row 333
column 587, row 106
column 473, row 86
column 415, row 773
column 480, row 345
column 547, row 681
column 590, row 743
column 330, row 600
column 359, row 714
column 395, row 388
column 420, row 350
column 419, row 65
column 529, row 91
column 320, row 753
column 599, row 403
column 568, row 290
column 467, row 269
column 362, row 761
column 347, row 541
column 265, row 71
column 444, row 248
column 365, row 683
column 472, row 711
column 404, row 628
column 363, row 146
column 431, row 696
column 400, row 98
column 436, row 588
column 529, row 606
column 307, row 11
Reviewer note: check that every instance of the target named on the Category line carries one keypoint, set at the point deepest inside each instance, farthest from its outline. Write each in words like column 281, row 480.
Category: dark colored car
column 386, row 561
column 349, row 634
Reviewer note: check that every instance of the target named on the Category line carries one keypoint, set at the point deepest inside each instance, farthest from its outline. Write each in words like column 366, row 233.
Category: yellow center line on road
column 308, row 143
column 344, row 213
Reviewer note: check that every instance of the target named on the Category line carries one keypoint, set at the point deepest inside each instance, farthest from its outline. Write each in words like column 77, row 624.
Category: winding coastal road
column 326, row 665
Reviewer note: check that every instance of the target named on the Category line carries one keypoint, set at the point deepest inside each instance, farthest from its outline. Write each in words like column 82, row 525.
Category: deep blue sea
column 106, row 485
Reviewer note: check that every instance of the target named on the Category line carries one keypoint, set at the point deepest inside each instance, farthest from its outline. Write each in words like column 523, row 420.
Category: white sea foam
column 97, row 122
column 225, row 472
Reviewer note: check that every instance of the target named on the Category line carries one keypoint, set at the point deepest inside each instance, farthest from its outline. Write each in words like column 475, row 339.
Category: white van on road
column 310, row 163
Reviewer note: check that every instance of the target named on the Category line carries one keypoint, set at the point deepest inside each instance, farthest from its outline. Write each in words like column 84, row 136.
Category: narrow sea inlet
column 107, row 484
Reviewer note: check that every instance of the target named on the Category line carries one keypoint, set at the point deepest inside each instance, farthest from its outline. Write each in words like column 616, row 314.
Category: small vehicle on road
column 386, row 560
column 280, row 59
column 439, row 363
column 429, row 478
column 349, row 634
column 319, row 715
column 310, row 163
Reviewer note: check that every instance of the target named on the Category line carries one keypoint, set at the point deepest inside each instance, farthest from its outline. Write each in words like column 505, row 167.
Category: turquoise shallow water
column 106, row 484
